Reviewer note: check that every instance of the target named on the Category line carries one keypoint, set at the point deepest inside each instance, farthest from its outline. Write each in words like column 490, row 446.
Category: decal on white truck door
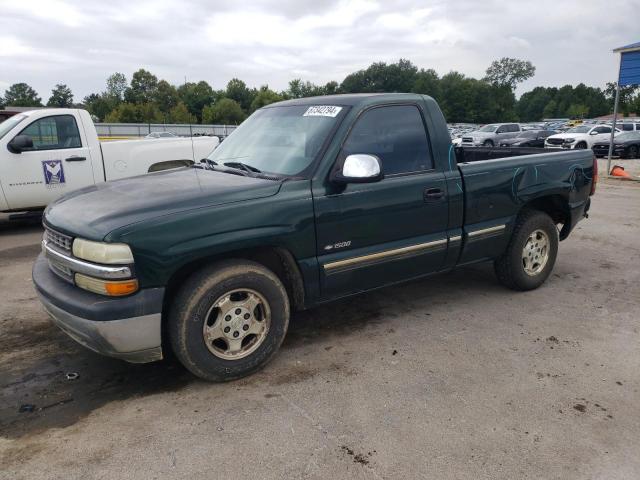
column 53, row 173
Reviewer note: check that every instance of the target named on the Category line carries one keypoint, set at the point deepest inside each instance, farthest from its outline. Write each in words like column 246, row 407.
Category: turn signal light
column 107, row 287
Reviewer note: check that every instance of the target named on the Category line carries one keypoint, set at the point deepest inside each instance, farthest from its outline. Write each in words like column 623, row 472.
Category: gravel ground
column 449, row 377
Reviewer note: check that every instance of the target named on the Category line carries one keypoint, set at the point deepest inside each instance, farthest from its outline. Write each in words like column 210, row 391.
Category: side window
column 626, row 127
column 514, row 128
column 604, row 129
column 54, row 133
column 396, row 135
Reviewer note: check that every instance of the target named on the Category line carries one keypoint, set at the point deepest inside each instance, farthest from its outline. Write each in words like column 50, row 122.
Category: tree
column 166, row 96
column 135, row 113
column 428, row 83
column 22, row 95
column 265, row 96
column 625, row 99
column 180, row 114
column 61, row 97
column 509, row 72
column 196, row 96
column 98, row 105
column 143, row 87
column 237, row 90
column 380, row 77
column 225, row 111
column 116, row 86
column 577, row 110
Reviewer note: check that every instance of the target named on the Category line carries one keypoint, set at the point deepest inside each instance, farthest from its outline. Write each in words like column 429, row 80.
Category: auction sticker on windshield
column 322, row 111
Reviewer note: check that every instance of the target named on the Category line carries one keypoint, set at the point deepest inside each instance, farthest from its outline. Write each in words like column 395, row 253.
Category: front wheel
column 228, row 320
column 531, row 253
column 488, row 143
column 581, row 145
column 632, row 152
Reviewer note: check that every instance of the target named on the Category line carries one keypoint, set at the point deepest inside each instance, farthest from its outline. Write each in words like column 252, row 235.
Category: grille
column 555, row 141
column 467, row 139
column 62, row 242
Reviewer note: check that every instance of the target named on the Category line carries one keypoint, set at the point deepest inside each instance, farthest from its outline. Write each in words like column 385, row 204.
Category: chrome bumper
column 135, row 339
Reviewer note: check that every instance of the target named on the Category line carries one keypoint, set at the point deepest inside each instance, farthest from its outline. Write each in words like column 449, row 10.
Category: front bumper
column 128, row 328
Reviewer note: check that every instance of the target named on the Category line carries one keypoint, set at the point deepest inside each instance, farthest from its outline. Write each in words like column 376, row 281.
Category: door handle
column 75, row 158
column 433, row 194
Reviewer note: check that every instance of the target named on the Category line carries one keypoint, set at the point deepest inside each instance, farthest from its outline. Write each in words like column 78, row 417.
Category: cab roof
column 350, row 99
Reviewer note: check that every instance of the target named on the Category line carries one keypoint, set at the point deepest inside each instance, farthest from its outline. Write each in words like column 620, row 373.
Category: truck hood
column 479, row 135
column 95, row 211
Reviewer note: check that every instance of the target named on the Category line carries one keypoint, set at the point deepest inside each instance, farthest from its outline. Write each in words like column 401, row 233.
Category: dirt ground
column 449, row 377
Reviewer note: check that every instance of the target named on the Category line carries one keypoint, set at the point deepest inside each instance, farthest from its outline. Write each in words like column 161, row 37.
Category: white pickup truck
column 49, row 152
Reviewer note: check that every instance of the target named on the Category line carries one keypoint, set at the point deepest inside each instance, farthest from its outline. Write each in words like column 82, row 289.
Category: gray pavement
column 449, row 377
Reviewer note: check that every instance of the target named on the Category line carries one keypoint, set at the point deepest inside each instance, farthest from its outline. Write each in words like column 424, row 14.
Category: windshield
column 623, row 137
column 488, row 128
column 280, row 140
column 580, row 129
column 9, row 123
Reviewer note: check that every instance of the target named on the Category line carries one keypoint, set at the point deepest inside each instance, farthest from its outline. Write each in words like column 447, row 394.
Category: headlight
column 105, row 253
column 106, row 287
column 569, row 140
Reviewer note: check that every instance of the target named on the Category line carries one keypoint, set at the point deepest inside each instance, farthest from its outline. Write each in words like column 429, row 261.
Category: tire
column 632, row 152
column 488, row 143
column 519, row 273
column 205, row 307
column 581, row 145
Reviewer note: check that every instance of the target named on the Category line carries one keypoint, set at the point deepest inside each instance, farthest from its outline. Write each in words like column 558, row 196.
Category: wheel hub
column 535, row 252
column 236, row 324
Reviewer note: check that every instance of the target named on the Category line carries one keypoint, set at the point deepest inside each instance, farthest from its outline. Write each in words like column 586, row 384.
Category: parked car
column 309, row 200
column 528, row 138
column 491, row 134
column 625, row 145
column 48, row 152
column 161, row 135
column 581, row 137
column 628, row 126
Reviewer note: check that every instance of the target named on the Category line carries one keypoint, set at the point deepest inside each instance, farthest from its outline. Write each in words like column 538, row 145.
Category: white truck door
column 59, row 162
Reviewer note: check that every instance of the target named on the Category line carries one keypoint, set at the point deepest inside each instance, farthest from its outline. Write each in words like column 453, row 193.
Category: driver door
column 57, row 163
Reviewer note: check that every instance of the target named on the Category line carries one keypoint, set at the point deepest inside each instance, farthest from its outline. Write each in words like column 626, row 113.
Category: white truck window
column 54, row 133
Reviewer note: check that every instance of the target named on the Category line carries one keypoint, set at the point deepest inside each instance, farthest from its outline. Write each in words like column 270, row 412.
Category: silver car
column 491, row 135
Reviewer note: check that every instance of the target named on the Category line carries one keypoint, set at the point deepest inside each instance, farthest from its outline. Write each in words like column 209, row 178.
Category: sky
column 80, row 43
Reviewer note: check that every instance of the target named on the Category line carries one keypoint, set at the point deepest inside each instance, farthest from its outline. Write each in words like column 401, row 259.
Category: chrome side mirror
column 359, row 168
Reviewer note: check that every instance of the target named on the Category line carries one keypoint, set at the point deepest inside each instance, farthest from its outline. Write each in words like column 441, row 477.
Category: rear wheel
column 531, row 253
column 228, row 320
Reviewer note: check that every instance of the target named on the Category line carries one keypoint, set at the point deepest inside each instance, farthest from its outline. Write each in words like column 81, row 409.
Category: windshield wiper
column 209, row 164
column 242, row 166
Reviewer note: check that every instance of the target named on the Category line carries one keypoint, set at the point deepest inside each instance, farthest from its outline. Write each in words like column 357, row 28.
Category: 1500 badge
column 338, row 245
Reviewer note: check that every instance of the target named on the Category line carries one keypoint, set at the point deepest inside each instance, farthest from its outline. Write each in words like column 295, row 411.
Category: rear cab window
column 396, row 134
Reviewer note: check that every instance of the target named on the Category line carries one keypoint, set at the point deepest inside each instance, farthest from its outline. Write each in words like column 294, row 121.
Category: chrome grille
column 467, row 139
column 555, row 141
column 58, row 240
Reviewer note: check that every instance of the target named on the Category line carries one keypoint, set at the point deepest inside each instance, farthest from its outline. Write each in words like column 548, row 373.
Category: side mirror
column 358, row 168
column 593, row 133
column 20, row 143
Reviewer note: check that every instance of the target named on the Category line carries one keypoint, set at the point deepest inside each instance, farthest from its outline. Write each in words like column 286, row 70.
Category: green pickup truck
column 308, row 201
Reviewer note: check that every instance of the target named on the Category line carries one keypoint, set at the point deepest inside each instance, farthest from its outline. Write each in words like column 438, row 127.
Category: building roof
column 628, row 48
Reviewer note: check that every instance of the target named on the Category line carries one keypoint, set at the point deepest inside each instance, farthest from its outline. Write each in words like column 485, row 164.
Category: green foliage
column 380, row 77
column 237, row 90
column 180, row 114
column 626, row 99
column 196, row 96
column 568, row 101
column 509, row 72
column 116, row 86
column 61, row 97
column 99, row 105
column 22, row 95
column 166, row 96
column 265, row 96
column 225, row 111
column 135, row 113
column 143, row 87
